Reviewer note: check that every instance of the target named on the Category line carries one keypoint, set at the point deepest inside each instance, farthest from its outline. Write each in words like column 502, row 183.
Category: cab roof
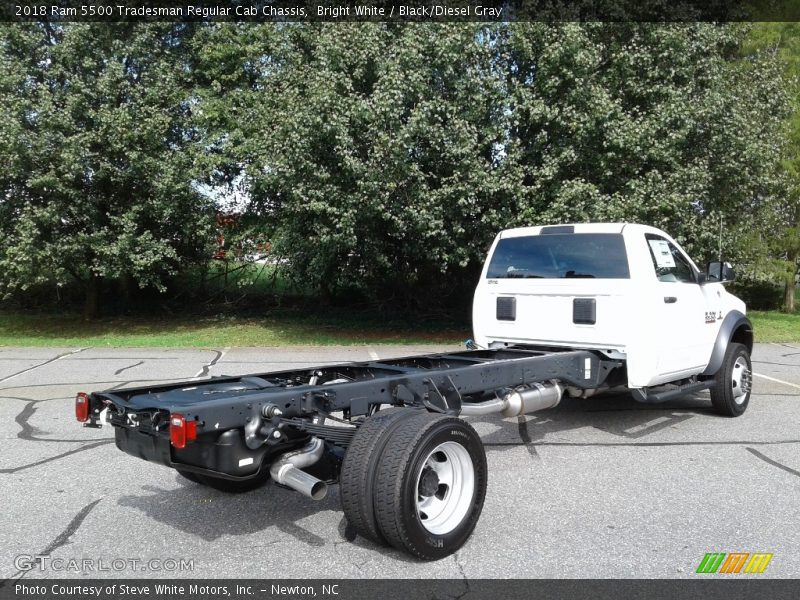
column 572, row 228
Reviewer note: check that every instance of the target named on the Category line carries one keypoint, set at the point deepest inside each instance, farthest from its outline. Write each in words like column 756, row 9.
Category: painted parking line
column 794, row 385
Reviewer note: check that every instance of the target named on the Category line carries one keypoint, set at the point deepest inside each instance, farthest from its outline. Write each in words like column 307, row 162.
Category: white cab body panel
column 652, row 314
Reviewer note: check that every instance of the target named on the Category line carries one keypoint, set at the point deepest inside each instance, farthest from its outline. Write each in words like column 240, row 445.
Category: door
column 679, row 310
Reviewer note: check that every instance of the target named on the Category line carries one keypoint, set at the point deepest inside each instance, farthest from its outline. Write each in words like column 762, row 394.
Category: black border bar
column 707, row 587
column 438, row 11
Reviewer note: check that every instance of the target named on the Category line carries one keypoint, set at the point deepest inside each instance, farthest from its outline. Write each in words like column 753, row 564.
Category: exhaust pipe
column 523, row 400
column 287, row 470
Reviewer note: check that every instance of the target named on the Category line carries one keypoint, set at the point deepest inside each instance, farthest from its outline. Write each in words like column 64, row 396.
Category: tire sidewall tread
column 395, row 490
column 359, row 467
column 721, row 393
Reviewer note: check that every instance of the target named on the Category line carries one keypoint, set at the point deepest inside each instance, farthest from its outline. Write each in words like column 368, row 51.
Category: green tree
column 98, row 158
column 371, row 150
column 776, row 245
column 638, row 122
column 391, row 154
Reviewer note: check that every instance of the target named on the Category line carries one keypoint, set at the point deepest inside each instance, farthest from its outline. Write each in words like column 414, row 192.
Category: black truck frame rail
column 267, row 405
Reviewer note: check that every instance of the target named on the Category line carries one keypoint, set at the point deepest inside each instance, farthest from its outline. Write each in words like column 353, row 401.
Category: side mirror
column 720, row 272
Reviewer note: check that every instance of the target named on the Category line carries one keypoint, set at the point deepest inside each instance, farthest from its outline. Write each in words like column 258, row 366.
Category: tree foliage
column 635, row 122
column 391, row 154
column 370, row 150
column 377, row 157
column 97, row 152
column 775, row 245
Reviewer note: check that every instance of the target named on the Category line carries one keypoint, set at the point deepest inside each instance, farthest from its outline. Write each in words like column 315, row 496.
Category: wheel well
column 743, row 335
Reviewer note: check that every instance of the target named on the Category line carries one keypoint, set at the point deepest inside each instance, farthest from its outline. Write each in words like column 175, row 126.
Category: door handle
column 670, row 299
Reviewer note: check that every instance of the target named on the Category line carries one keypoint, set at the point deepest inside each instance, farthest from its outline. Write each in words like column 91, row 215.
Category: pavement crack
column 772, row 462
column 31, row 433
column 207, row 367
column 464, row 577
column 56, row 457
column 63, row 538
column 775, row 364
column 42, row 364
column 94, row 384
column 118, row 371
column 360, row 566
column 69, row 531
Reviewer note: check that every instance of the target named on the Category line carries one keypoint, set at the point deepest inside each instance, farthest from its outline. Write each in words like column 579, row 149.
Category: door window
column 669, row 263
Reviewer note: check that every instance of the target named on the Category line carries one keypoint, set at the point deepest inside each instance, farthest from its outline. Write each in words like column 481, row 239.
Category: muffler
column 520, row 401
column 286, row 470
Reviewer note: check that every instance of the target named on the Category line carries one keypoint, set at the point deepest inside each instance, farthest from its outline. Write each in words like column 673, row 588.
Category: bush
column 757, row 294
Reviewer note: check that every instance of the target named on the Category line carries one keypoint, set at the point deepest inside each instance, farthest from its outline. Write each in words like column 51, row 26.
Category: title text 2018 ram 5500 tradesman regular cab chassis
column 575, row 309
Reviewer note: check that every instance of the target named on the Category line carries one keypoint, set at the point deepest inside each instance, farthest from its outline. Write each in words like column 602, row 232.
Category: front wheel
column 730, row 394
column 430, row 485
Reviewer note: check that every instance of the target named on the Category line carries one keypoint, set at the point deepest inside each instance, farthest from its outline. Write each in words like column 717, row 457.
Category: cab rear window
column 560, row 256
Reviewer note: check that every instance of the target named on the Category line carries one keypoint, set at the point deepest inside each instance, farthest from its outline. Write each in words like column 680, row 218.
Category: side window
column 669, row 262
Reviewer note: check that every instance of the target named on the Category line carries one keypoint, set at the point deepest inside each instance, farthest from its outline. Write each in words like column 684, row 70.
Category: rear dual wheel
column 427, row 484
column 360, row 467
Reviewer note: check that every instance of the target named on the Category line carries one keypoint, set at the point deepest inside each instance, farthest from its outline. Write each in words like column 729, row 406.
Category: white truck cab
column 627, row 290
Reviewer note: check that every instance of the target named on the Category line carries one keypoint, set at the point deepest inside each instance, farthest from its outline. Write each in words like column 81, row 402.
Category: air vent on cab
column 506, row 308
column 584, row 311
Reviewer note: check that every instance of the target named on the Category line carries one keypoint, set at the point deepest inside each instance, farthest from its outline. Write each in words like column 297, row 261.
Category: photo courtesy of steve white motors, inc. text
column 145, row 590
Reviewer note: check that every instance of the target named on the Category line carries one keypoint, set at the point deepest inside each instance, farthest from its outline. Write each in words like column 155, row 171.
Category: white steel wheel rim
column 741, row 380
column 443, row 510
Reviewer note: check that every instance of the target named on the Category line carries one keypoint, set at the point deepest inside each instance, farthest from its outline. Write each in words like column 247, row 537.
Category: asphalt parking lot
column 596, row 488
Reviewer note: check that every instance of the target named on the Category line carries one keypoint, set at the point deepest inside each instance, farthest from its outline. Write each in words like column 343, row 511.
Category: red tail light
column 181, row 431
column 82, row 407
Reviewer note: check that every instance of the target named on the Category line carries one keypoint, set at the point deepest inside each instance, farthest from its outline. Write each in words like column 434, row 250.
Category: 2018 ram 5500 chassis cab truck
column 575, row 309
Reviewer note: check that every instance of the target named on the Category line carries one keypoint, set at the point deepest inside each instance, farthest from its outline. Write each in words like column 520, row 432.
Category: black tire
column 732, row 383
column 403, row 479
column 357, row 477
column 188, row 475
column 231, row 486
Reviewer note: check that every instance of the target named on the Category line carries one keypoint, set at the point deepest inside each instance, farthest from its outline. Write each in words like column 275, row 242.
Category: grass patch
column 280, row 329
column 771, row 326
column 287, row 328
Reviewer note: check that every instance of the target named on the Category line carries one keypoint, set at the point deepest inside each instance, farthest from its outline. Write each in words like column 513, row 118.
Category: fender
column 733, row 322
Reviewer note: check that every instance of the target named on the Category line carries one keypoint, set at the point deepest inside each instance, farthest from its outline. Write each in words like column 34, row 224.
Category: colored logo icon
column 734, row 562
